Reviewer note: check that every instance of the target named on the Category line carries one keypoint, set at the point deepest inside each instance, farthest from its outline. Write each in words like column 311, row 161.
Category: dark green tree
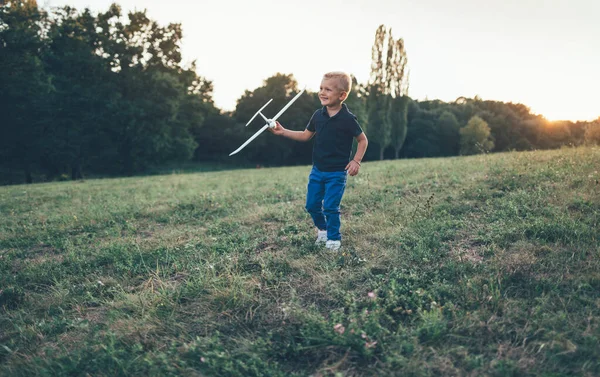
column 357, row 103
column 83, row 92
column 152, row 88
column 399, row 122
column 448, row 135
column 218, row 136
column 422, row 139
column 97, row 93
column 25, row 87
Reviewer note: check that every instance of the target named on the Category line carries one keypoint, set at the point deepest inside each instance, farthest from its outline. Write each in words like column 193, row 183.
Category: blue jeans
column 325, row 191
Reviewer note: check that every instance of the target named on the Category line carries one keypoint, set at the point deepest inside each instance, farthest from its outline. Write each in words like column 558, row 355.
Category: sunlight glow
column 511, row 51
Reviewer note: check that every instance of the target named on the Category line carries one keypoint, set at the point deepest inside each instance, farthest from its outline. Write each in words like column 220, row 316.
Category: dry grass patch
column 520, row 257
column 466, row 250
column 43, row 253
column 144, row 331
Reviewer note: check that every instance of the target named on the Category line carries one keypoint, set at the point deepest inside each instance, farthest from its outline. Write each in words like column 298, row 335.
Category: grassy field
column 475, row 266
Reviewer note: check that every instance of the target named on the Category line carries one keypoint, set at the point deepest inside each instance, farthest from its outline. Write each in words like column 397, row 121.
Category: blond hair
column 344, row 80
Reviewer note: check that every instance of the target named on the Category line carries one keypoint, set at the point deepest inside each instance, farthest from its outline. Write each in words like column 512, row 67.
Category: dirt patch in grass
column 518, row 258
column 135, row 331
column 466, row 253
column 36, row 255
column 466, row 250
column 94, row 315
column 43, row 253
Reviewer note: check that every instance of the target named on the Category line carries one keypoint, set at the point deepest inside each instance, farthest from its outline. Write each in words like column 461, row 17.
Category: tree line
column 102, row 93
column 107, row 94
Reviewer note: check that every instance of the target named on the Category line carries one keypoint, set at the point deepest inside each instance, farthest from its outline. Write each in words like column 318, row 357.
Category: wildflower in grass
column 371, row 294
column 370, row 344
column 339, row 328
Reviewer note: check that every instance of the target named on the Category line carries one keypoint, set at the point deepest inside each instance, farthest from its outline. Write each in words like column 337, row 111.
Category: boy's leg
column 314, row 198
column 335, row 184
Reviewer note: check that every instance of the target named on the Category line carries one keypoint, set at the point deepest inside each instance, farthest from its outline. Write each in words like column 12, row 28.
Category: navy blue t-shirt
column 333, row 138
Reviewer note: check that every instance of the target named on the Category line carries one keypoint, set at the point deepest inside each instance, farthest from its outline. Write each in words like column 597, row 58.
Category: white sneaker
column 321, row 237
column 333, row 245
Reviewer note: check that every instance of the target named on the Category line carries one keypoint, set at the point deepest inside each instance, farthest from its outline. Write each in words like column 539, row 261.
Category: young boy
column 335, row 127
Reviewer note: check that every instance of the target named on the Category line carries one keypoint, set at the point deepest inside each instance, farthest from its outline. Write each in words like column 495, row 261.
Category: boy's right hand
column 278, row 130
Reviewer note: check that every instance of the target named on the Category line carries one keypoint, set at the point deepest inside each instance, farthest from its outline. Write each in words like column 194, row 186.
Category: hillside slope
column 484, row 265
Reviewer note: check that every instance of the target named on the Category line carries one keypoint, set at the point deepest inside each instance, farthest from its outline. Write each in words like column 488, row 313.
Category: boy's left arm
column 354, row 166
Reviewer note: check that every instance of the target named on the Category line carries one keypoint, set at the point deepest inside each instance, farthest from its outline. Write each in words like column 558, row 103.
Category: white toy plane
column 270, row 122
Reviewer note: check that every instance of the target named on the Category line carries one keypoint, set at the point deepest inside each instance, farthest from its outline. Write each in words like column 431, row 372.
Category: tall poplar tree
column 399, row 92
column 387, row 100
column 377, row 100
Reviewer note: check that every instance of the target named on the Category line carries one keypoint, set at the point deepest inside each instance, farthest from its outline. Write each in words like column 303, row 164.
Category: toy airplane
column 270, row 122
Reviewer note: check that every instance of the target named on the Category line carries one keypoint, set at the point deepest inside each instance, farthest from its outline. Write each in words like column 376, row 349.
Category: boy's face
column 330, row 94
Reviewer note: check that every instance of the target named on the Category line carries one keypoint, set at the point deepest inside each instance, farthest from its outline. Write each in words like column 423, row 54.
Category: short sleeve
column 355, row 129
column 311, row 124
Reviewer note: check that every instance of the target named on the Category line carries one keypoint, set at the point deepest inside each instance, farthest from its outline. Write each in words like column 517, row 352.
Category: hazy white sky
column 543, row 53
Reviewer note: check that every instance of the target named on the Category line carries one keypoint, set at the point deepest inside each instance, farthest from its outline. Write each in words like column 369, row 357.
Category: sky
column 542, row 53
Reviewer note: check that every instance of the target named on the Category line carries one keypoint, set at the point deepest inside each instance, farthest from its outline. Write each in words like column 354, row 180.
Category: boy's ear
column 344, row 96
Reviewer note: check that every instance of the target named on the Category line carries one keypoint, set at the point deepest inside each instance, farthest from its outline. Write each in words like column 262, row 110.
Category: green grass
column 476, row 266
